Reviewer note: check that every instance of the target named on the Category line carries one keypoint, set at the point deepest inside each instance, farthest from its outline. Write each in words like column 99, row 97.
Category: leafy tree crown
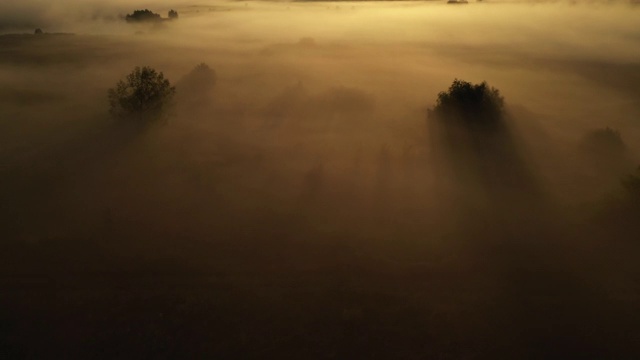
column 144, row 93
column 472, row 104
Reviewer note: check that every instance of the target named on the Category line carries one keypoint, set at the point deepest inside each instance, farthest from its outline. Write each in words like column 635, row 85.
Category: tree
column 173, row 14
column 474, row 105
column 195, row 88
column 472, row 139
column 142, row 15
column 200, row 81
column 145, row 95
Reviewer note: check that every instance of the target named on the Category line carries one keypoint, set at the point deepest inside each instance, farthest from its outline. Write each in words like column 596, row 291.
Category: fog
column 309, row 199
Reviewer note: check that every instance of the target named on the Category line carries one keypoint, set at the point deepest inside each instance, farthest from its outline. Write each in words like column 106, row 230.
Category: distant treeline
column 147, row 15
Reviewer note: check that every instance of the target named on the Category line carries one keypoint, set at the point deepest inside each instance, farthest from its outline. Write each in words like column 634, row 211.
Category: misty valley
column 310, row 179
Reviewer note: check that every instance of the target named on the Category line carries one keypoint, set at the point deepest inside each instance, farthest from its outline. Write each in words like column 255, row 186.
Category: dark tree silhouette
column 475, row 146
column 144, row 95
column 38, row 31
column 468, row 122
column 475, row 105
column 173, row 14
column 142, row 15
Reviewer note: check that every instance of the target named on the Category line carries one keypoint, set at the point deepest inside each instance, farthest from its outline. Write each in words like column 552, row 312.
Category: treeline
column 147, row 15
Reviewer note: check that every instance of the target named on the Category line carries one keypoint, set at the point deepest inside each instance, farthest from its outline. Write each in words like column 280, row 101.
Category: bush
column 144, row 95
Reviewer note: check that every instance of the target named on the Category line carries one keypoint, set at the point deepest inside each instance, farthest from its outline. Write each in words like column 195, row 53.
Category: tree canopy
column 143, row 15
column 144, row 94
column 472, row 104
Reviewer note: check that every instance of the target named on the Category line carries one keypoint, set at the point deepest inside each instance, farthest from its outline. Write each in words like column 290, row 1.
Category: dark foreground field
column 307, row 294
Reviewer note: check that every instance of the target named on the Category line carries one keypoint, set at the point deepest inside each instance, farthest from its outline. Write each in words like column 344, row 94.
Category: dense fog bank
column 313, row 190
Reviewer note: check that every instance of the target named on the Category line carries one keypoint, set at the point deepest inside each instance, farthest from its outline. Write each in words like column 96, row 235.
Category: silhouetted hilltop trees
column 143, row 15
column 172, row 14
column 144, row 95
